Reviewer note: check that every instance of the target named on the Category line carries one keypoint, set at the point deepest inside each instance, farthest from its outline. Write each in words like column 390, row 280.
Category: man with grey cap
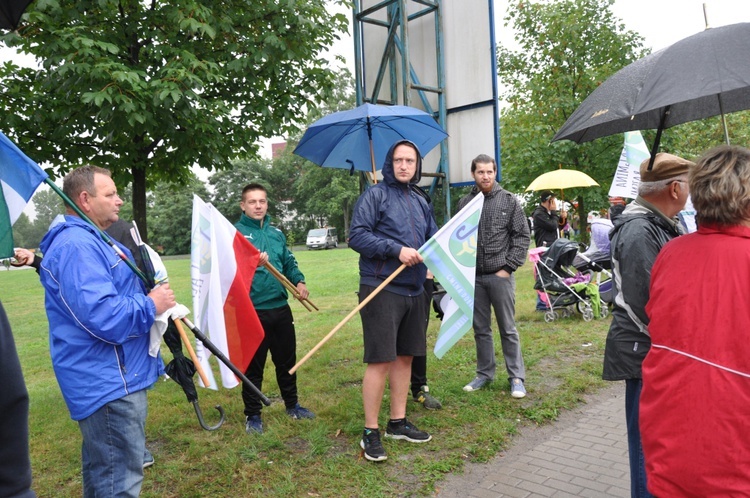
column 646, row 225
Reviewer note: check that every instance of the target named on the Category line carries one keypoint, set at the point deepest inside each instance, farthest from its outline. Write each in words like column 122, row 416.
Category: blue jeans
column 114, row 443
column 493, row 292
column 635, row 449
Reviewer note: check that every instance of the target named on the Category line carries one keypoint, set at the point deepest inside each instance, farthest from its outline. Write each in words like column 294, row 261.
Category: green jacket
column 267, row 292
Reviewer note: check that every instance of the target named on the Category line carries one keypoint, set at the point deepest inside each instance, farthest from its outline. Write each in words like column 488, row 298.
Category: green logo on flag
column 463, row 241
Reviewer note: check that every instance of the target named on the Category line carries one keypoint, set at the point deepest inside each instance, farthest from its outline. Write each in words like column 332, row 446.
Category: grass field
column 319, row 457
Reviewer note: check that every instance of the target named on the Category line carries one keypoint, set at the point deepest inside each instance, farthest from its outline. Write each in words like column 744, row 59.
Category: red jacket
column 695, row 403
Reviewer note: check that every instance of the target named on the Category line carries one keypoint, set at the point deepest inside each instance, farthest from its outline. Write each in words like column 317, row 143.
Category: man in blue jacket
column 269, row 298
column 390, row 222
column 100, row 317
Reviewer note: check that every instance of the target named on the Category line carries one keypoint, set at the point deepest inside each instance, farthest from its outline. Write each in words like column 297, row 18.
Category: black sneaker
column 373, row 447
column 428, row 400
column 406, row 431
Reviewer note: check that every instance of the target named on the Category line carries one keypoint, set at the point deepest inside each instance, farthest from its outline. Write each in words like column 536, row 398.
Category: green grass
column 318, row 457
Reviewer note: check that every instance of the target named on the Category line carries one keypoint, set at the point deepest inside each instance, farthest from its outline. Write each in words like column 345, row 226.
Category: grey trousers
column 499, row 294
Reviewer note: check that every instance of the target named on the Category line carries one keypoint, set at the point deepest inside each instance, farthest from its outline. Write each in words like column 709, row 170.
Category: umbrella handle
column 199, row 413
column 222, row 358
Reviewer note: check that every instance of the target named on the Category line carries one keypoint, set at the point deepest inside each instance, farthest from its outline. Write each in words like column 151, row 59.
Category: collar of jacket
column 495, row 189
column 253, row 223
column 641, row 202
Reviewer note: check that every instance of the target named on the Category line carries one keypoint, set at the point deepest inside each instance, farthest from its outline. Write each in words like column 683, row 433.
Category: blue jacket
column 267, row 292
column 99, row 319
column 387, row 217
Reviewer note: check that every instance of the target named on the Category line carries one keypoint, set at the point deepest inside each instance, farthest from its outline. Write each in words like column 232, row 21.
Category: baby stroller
column 555, row 279
column 597, row 266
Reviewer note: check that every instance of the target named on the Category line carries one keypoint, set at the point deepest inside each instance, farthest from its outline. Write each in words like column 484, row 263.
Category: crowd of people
column 675, row 337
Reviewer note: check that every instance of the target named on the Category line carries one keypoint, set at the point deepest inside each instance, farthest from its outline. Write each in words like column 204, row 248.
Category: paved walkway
column 583, row 454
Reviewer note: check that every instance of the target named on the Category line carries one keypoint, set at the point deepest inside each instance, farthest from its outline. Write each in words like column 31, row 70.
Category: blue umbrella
column 359, row 139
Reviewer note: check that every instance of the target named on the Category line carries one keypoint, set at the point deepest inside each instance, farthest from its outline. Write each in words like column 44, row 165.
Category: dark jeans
column 635, row 449
column 280, row 339
column 419, row 363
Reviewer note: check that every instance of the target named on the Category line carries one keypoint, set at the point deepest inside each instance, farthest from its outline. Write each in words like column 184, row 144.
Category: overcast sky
column 660, row 22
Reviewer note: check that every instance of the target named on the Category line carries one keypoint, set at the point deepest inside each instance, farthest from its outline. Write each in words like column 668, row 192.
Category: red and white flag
column 222, row 266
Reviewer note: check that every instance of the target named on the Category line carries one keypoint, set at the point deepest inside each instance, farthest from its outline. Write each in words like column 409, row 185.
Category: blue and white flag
column 20, row 177
column 628, row 176
column 451, row 255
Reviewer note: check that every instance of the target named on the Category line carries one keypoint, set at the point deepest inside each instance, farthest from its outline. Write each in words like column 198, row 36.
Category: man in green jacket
column 270, row 300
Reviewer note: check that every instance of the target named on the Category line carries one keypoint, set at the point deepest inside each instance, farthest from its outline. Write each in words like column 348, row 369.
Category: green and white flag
column 20, row 177
column 451, row 255
column 627, row 175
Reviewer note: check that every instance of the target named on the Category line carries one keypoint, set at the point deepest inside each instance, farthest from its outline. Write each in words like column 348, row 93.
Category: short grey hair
column 647, row 189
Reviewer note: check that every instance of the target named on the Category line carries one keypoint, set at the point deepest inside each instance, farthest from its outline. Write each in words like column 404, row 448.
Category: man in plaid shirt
column 501, row 248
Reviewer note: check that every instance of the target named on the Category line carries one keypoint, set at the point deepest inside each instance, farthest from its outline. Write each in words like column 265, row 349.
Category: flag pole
column 191, row 352
column 348, row 317
column 106, row 238
column 198, row 334
column 289, row 286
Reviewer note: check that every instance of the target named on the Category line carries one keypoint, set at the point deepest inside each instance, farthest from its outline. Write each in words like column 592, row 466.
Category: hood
column 389, row 177
column 56, row 229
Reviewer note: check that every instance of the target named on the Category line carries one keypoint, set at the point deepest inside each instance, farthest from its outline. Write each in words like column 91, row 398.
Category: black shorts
column 393, row 325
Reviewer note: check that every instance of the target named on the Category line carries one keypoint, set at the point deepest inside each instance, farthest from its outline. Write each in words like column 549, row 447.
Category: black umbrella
column 10, row 12
column 704, row 75
column 181, row 370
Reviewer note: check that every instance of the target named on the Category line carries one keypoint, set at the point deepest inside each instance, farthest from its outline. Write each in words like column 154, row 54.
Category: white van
column 322, row 238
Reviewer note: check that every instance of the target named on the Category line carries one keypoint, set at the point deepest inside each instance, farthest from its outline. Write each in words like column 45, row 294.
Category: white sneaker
column 476, row 384
column 516, row 388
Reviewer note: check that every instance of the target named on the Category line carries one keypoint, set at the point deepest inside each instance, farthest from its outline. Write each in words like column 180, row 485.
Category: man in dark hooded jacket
column 390, row 222
column 644, row 227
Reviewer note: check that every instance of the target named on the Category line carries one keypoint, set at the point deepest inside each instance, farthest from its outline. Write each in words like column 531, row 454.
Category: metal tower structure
column 396, row 81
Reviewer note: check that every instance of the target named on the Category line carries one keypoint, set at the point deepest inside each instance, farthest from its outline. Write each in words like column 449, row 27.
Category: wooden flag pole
column 191, row 352
column 348, row 317
column 289, row 286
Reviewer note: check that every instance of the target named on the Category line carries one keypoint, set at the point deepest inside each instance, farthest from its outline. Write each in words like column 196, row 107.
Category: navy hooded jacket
column 387, row 217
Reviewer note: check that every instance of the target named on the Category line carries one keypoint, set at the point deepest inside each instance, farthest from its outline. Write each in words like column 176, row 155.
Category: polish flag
column 222, row 266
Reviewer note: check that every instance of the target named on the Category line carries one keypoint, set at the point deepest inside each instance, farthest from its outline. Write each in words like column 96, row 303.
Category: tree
column 567, row 48
column 148, row 89
column 48, row 204
column 171, row 216
column 24, row 234
column 324, row 195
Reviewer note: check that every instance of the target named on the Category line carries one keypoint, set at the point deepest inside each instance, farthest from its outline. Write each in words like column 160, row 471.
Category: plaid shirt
column 503, row 231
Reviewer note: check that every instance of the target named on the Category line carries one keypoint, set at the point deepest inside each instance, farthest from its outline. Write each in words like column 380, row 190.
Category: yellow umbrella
column 560, row 179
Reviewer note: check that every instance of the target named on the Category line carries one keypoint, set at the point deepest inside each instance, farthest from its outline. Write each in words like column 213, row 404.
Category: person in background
column 420, row 391
column 695, row 400
column 15, row 465
column 502, row 244
column 269, row 298
column 100, row 318
column 390, row 222
column 547, row 220
column 644, row 227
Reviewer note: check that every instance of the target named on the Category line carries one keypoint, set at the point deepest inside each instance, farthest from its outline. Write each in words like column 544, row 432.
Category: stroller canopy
column 562, row 252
